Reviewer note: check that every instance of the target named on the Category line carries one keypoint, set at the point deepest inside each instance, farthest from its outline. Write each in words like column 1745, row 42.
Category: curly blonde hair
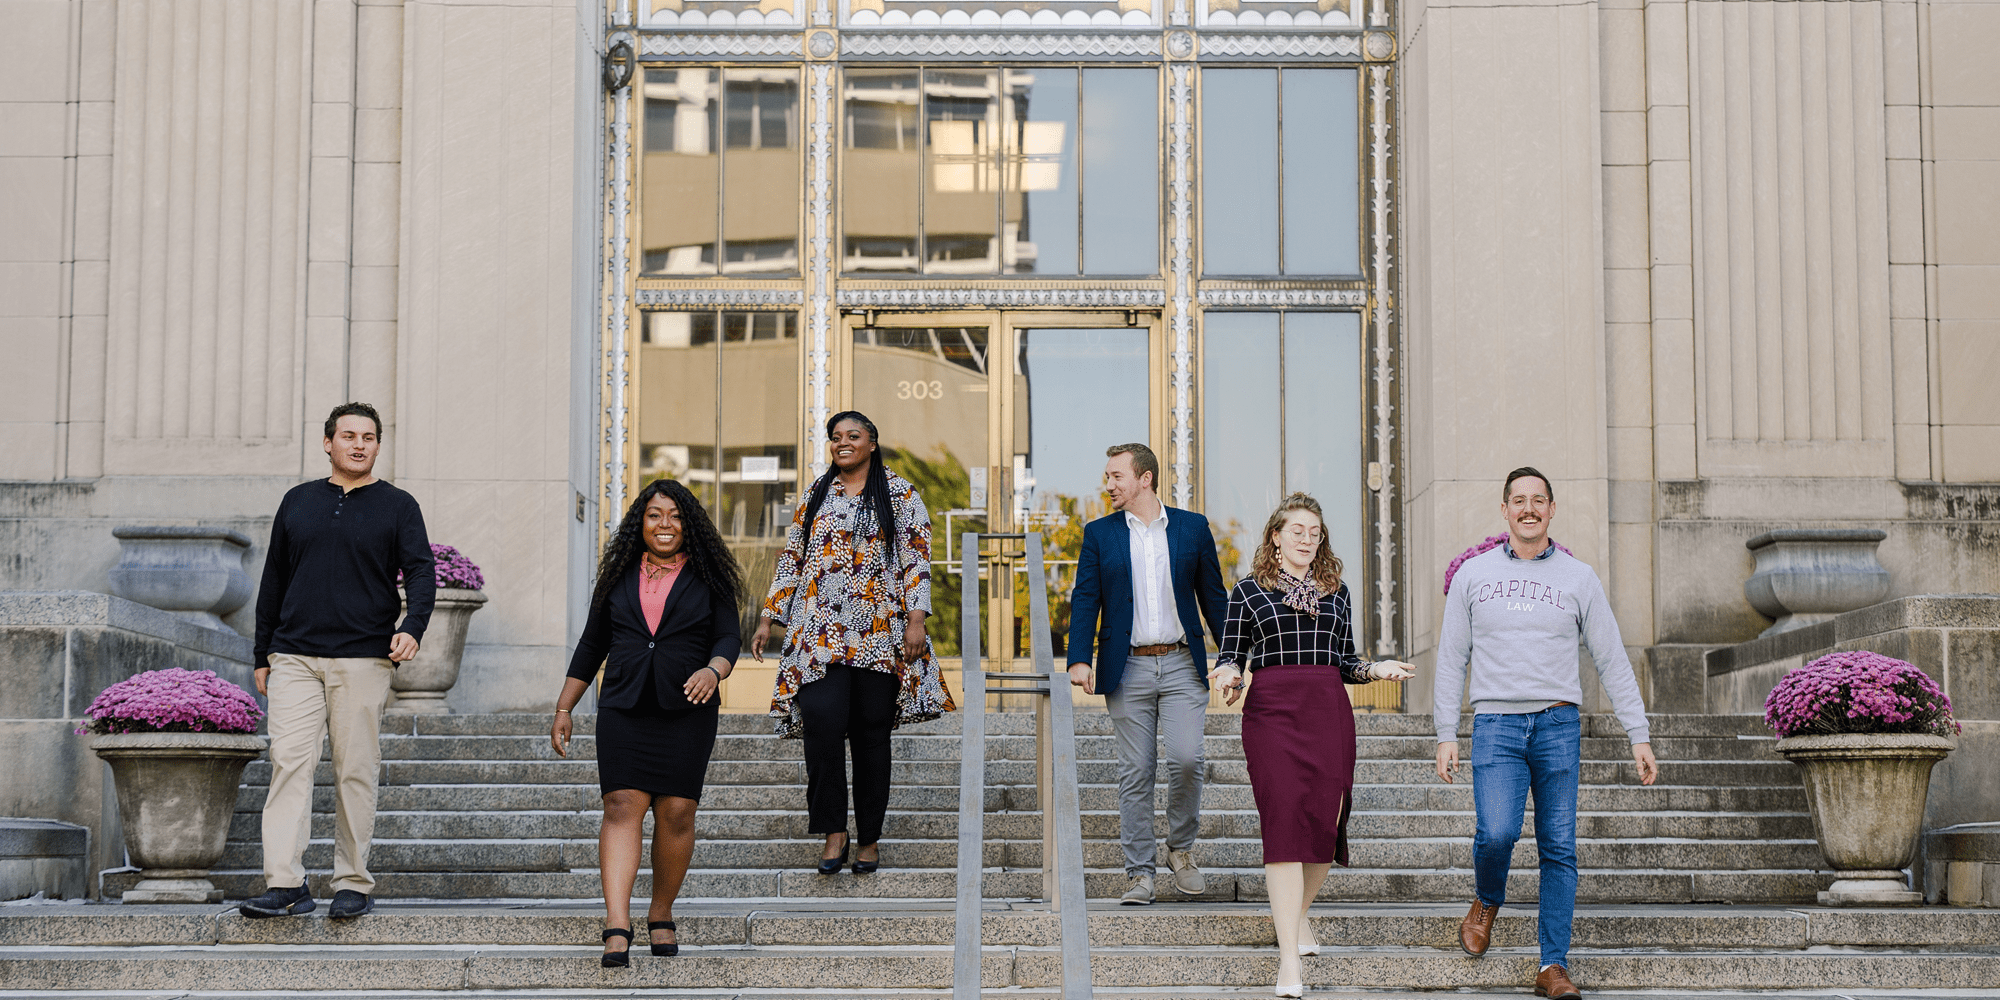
column 1325, row 565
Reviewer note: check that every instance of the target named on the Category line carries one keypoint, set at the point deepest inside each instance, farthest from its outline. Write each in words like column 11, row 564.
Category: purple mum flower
column 1858, row 692
column 454, row 570
column 1486, row 545
column 173, row 701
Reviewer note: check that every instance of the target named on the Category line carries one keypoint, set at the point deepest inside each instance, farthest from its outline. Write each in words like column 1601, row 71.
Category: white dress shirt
column 1155, row 619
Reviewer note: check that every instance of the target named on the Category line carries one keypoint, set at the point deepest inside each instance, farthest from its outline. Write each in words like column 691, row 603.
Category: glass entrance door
column 1001, row 419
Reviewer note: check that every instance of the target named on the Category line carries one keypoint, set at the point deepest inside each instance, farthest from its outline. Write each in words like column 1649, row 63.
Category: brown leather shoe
column 1476, row 930
column 1554, row 983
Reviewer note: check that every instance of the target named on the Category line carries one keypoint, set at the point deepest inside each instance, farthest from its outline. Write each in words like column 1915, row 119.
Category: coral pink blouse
column 655, row 583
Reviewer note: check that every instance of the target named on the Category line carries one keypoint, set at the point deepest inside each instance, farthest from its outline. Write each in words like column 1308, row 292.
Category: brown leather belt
column 1562, row 704
column 1160, row 650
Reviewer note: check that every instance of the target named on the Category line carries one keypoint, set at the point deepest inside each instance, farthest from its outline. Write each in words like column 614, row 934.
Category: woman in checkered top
column 1290, row 622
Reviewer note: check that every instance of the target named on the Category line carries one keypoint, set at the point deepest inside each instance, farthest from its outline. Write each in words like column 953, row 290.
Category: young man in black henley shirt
column 327, row 645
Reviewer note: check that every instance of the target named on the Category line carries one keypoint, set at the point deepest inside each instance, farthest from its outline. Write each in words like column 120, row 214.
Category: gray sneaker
column 1141, row 892
column 1187, row 878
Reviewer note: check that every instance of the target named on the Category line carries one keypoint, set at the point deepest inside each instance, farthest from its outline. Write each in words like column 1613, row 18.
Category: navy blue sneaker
column 276, row 902
column 348, row 904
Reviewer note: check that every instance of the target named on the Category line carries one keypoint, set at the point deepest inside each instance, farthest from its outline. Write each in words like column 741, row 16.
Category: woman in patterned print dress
column 852, row 590
column 1290, row 621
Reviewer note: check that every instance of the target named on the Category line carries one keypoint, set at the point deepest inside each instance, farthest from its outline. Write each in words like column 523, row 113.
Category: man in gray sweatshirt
column 1514, row 617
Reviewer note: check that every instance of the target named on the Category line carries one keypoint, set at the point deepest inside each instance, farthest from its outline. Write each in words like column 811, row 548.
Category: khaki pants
column 314, row 696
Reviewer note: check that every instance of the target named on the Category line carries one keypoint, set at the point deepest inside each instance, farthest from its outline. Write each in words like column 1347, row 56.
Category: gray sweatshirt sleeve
column 1614, row 670
column 1453, row 653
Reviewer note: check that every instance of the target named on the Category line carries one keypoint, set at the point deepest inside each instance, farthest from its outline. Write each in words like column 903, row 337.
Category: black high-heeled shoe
column 618, row 959
column 862, row 867
column 832, row 866
column 671, row 948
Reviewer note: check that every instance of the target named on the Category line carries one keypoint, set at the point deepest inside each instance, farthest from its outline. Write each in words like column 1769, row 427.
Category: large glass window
column 716, row 145
column 1281, row 412
column 1280, row 172
column 1045, row 170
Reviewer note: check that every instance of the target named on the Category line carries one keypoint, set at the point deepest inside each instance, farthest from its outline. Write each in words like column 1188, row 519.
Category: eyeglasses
column 1301, row 533
column 1523, row 503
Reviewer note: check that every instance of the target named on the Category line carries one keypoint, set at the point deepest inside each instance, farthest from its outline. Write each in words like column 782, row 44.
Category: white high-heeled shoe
column 1291, row 989
column 1309, row 942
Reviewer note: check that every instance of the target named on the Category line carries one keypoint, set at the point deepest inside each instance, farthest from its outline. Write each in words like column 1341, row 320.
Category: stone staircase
column 486, row 852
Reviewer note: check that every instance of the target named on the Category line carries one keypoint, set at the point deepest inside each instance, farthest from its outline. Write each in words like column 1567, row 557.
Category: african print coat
column 840, row 603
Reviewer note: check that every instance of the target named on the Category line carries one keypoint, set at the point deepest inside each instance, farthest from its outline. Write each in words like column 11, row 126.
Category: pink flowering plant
column 1858, row 692
column 1487, row 545
column 173, row 701
column 454, row 570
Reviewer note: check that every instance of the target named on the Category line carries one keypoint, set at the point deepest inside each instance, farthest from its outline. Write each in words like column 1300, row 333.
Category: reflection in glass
column 1322, row 185
column 1070, row 380
column 679, row 173
column 758, row 428
column 926, row 391
column 961, row 131
column 879, row 172
column 1239, row 171
column 1040, row 223
column 761, row 138
column 1323, row 424
column 1241, row 442
column 1121, row 171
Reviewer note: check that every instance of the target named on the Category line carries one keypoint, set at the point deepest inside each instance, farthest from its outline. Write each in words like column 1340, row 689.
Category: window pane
column 1239, row 171
column 759, row 431
column 1322, row 186
column 1323, row 424
column 678, row 173
column 962, row 204
column 879, row 175
column 1041, row 172
column 761, row 135
column 676, row 379
column 1121, row 171
column 1240, row 460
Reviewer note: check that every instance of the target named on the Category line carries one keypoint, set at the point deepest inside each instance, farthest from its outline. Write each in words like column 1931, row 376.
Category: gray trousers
column 1158, row 698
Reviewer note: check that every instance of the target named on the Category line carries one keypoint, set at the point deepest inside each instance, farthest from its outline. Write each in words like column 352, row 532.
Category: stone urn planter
column 1808, row 575
column 1867, row 793
column 192, row 572
column 176, row 793
column 422, row 682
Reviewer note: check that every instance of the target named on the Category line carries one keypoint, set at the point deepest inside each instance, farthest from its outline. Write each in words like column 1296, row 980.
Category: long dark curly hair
column 874, row 496
column 711, row 559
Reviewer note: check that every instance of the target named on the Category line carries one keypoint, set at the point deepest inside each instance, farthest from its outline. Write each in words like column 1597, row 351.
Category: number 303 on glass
column 920, row 389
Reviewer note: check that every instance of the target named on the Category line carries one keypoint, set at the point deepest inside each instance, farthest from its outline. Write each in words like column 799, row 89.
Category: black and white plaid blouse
column 1264, row 630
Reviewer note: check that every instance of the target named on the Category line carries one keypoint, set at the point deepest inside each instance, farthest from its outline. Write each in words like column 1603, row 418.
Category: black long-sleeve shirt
column 329, row 585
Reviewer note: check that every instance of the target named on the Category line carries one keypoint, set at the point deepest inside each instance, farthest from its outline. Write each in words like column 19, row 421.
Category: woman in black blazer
column 663, row 623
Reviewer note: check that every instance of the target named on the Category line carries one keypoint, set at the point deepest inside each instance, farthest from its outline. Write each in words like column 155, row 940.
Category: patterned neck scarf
column 1304, row 595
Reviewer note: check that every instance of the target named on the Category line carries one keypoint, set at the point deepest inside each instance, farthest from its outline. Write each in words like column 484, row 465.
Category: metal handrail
column 1056, row 791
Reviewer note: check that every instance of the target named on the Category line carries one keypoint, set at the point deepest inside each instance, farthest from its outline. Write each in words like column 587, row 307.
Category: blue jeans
column 1512, row 754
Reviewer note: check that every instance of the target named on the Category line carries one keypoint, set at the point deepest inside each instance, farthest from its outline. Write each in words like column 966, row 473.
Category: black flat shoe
column 862, row 867
column 671, row 948
column 617, row 959
column 348, row 904
column 832, row 866
column 289, row 902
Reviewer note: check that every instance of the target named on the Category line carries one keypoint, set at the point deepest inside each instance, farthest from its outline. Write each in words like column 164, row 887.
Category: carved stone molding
column 683, row 297
column 1181, row 264
column 1269, row 297
column 1126, row 298
column 1380, row 206
column 618, row 309
column 819, row 262
column 1266, row 46
column 770, row 46
column 974, row 45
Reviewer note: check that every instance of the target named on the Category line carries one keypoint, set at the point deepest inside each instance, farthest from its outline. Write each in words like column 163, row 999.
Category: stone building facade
column 1719, row 267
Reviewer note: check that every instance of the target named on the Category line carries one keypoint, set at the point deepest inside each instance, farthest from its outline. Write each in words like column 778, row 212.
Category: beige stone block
column 32, row 346
column 27, row 450
column 1906, row 291
column 1963, row 39
column 31, row 198
column 86, row 369
column 1966, row 133
column 378, row 71
column 1674, row 451
column 1630, row 457
column 326, row 373
column 1667, row 132
column 90, row 288
column 1910, row 349
column 1903, row 138
column 1913, row 452
column 1667, row 54
column 1621, row 60
column 372, row 294
column 1673, row 292
column 1968, row 292
column 1673, row 371
column 1968, row 367
column 377, row 213
column 1627, row 236
column 327, row 288
column 1628, row 363
column 1628, row 582
column 1906, row 211
column 34, row 50
column 90, row 230
column 37, row 129
column 94, row 121
column 30, row 289
column 328, row 222
column 85, row 456
column 1671, row 194
column 1624, row 137
column 333, row 130
column 333, row 51
column 1628, row 295
column 1900, row 54
column 378, row 135
column 1971, row 453
column 1968, row 216
column 99, row 71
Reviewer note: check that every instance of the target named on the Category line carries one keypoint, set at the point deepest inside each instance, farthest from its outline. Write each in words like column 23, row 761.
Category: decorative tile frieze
column 1003, row 13
column 976, row 45
column 1282, row 297
column 729, row 46
column 1277, row 13
column 1215, row 44
column 718, row 297
column 721, row 14
column 931, row 298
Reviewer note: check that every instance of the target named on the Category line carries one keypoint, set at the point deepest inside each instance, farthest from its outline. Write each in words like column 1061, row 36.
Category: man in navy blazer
column 1146, row 577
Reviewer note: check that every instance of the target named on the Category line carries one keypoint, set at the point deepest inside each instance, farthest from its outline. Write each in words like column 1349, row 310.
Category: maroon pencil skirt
column 1298, row 738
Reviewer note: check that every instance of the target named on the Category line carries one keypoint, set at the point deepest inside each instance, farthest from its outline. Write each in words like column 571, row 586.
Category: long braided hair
column 874, row 496
column 711, row 559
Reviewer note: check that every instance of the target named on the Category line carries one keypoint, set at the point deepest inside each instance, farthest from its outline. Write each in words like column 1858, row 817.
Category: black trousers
column 856, row 707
